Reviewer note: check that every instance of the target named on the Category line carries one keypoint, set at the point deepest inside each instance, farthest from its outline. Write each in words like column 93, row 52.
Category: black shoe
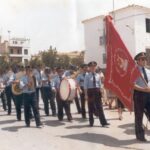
column 27, row 125
column 91, row 124
column 19, row 119
column 54, row 114
column 60, row 119
column 142, row 139
column 106, row 124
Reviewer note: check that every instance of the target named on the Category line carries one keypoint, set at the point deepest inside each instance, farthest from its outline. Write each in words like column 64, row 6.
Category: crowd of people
column 26, row 86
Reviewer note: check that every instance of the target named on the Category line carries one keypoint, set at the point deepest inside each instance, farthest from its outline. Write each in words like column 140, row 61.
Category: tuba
column 15, row 86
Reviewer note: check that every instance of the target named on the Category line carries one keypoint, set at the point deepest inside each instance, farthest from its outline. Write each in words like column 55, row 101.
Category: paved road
column 77, row 135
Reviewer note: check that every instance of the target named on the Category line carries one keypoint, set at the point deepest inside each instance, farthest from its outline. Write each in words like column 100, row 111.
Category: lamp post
column 9, row 32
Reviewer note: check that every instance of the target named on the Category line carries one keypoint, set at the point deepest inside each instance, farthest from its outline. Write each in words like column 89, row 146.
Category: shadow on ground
column 7, row 122
column 15, row 128
column 130, row 129
column 104, row 139
column 53, row 123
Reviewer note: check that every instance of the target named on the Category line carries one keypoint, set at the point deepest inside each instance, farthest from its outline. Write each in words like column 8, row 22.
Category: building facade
column 17, row 50
column 133, row 25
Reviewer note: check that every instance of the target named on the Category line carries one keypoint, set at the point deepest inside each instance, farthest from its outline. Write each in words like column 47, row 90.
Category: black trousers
column 140, row 99
column 77, row 102
column 30, row 101
column 3, row 98
column 48, row 96
column 63, row 105
column 95, row 105
column 9, row 97
column 82, row 98
column 19, row 103
column 37, row 95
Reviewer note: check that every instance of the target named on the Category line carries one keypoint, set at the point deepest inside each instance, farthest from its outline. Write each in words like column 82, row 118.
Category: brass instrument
column 31, row 83
column 15, row 85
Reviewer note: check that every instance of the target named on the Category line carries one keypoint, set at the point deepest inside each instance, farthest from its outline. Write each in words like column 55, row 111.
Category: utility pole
column 9, row 32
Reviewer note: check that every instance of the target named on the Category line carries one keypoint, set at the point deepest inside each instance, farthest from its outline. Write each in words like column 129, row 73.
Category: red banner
column 121, row 70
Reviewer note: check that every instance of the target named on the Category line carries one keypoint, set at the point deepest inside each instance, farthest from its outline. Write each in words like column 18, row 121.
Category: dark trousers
column 82, row 98
column 139, row 105
column 95, row 104
column 49, row 97
column 147, row 107
column 37, row 95
column 9, row 96
column 19, row 103
column 61, row 104
column 3, row 98
column 30, row 101
column 77, row 102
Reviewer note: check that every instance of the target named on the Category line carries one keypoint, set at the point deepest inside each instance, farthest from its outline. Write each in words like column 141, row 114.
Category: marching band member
column 47, row 92
column 80, row 82
column 8, row 79
column 61, row 104
column 2, row 92
column 141, row 96
column 27, row 84
column 38, row 77
column 71, row 73
column 18, row 96
column 92, row 86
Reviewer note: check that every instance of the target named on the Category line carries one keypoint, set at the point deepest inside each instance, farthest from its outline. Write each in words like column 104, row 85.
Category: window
column 25, row 61
column 148, row 56
column 147, row 25
column 11, row 51
column 101, row 40
column 104, row 58
column 18, row 51
column 26, row 52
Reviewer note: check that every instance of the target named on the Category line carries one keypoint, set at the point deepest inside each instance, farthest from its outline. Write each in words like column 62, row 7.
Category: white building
column 132, row 23
column 19, row 50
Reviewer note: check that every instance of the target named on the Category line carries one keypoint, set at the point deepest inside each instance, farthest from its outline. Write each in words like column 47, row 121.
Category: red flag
column 121, row 70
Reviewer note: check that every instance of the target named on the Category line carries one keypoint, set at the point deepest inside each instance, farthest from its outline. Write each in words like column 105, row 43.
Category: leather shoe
column 142, row 139
column 106, row 124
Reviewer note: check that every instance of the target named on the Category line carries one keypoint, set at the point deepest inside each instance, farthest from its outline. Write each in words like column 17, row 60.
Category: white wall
column 93, row 29
column 142, row 37
column 129, row 24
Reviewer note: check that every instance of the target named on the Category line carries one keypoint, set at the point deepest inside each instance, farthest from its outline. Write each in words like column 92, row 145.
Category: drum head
column 64, row 89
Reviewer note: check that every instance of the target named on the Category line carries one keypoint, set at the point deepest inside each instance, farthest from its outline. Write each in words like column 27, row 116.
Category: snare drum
column 68, row 89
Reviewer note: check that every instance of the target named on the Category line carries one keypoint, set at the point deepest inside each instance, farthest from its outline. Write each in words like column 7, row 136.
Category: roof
column 131, row 6
column 86, row 20
column 120, row 9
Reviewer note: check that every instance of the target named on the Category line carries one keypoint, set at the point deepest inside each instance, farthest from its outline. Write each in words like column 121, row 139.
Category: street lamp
column 130, row 28
column 8, row 45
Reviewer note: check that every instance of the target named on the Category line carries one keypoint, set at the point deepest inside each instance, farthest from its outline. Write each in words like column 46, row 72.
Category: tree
column 49, row 58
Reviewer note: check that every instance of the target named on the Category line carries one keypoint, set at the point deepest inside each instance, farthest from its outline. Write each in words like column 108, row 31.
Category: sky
column 54, row 22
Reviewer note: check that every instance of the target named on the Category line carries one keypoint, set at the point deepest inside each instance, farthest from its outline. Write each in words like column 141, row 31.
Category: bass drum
column 68, row 89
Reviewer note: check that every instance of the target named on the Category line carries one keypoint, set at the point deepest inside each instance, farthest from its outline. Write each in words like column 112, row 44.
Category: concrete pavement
column 56, row 135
